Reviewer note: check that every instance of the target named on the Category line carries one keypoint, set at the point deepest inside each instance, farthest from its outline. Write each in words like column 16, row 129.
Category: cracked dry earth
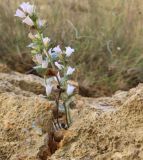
column 108, row 128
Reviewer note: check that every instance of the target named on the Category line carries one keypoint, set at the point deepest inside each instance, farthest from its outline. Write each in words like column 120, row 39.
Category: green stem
column 57, row 103
column 66, row 112
column 69, row 115
column 52, row 64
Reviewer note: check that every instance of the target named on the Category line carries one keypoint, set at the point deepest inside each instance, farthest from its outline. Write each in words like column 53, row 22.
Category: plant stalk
column 66, row 112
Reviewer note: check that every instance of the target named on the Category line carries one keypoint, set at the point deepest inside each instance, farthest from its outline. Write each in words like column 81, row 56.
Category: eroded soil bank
column 108, row 128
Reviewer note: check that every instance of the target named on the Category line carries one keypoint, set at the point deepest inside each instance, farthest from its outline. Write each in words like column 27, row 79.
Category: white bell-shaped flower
column 54, row 55
column 30, row 9
column 46, row 40
column 41, row 23
column 59, row 66
column 44, row 63
column 57, row 49
column 70, row 89
column 70, row 70
column 28, row 21
column 48, row 89
column 20, row 13
column 24, row 6
column 27, row 8
column 39, row 58
column 69, row 51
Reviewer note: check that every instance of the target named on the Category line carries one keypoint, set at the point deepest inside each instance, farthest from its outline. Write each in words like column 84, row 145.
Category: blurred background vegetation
column 106, row 34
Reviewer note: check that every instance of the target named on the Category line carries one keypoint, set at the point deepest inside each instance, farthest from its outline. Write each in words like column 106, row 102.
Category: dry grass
column 107, row 36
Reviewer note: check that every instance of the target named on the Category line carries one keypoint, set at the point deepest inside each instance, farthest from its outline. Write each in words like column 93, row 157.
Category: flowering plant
column 51, row 63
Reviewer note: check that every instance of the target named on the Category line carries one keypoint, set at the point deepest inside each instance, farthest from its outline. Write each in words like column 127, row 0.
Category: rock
column 58, row 135
column 4, row 68
column 21, row 83
column 106, row 128
column 18, row 62
column 26, row 123
column 26, row 118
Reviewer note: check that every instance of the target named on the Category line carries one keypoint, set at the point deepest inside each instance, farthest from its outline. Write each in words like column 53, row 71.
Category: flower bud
column 44, row 64
column 48, row 89
column 31, row 36
column 39, row 58
column 69, row 51
column 70, row 70
column 46, row 40
column 59, row 66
